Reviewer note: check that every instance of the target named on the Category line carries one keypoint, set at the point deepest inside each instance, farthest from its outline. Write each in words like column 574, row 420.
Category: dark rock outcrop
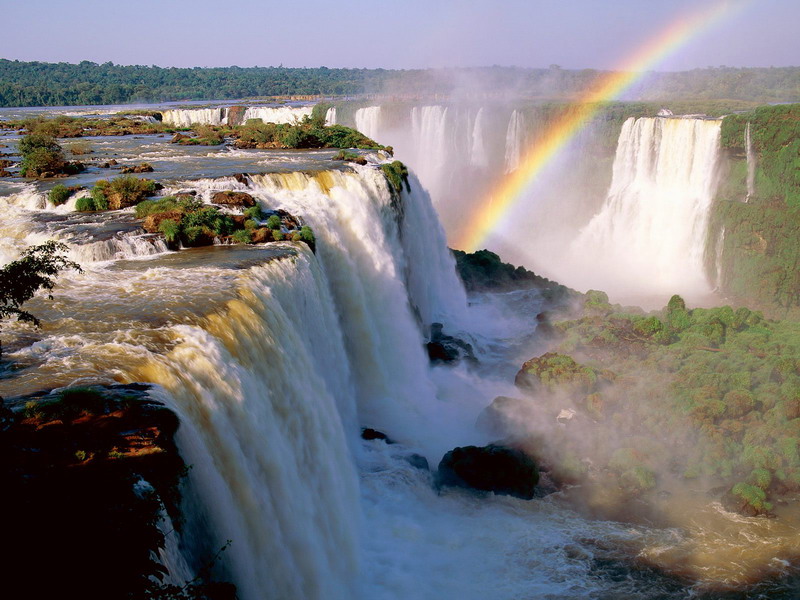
column 443, row 348
column 373, row 434
column 493, row 468
column 88, row 470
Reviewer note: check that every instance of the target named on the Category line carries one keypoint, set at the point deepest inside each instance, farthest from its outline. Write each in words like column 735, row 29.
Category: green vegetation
column 254, row 213
column 59, row 194
column 188, row 221
column 308, row 133
column 397, row 176
column 725, row 381
column 64, row 84
column 760, row 258
column 74, row 127
column 40, row 154
column 483, row 271
column 121, row 192
column 350, row 157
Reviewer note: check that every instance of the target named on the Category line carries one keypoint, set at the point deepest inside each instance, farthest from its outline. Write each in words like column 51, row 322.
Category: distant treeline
column 59, row 84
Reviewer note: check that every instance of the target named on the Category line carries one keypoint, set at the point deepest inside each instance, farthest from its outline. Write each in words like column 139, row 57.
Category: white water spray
column 515, row 140
column 649, row 236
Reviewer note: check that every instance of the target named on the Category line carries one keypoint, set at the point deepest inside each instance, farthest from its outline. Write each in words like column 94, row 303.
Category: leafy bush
column 242, row 236
column 37, row 141
column 277, row 235
column 171, row 229
column 59, row 194
column 274, row 222
column 397, row 175
column 85, row 205
column 41, row 160
column 307, row 235
column 255, row 213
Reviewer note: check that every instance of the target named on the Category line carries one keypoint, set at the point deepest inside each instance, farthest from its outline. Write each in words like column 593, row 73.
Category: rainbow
column 511, row 190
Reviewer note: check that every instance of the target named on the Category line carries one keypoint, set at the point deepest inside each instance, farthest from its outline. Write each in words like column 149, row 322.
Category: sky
column 389, row 34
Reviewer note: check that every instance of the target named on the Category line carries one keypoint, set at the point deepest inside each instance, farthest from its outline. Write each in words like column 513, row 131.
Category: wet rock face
column 85, row 474
column 443, row 348
column 493, row 468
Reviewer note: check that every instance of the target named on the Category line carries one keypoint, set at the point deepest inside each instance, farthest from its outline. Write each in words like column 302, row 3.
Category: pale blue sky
column 389, row 34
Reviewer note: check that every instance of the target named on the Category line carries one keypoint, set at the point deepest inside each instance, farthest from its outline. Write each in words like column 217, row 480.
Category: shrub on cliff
column 59, row 194
column 397, row 175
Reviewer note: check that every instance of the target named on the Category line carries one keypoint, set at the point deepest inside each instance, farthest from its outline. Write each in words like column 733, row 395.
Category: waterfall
column 330, row 116
column 368, row 121
column 263, row 390
column 650, row 232
column 277, row 114
column 751, row 163
column 430, row 143
column 718, row 252
column 182, row 117
column 478, row 154
column 186, row 117
column 515, row 139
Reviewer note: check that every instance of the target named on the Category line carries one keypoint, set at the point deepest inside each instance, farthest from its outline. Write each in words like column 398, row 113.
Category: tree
column 21, row 279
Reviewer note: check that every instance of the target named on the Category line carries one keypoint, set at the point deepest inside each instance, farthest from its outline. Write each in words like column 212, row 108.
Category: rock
column 444, row 348
column 262, row 235
column 5, row 163
column 493, row 468
column 142, row 168
column 113, row 162
column 152, row 222
column 236, row 115
column 73, row 466
column 4, row 173
column 105, row 165
column 239, row 199
column 177, row 138
column 242, row 178
column 374, row 434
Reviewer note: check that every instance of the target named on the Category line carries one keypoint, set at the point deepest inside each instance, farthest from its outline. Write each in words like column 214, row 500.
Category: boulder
column 238, row 199
column 178, row 138
column 493, row 468
column 444, row 348
column 142, row 168
column 4, row 173
column 262, row 235
column 374, row 434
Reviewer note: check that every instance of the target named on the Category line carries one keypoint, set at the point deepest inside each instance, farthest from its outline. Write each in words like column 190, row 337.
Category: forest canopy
column 86, row 83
